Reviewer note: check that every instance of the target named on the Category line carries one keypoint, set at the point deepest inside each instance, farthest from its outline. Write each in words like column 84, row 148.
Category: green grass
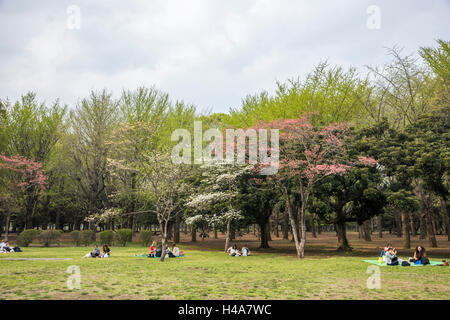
column 204, row 274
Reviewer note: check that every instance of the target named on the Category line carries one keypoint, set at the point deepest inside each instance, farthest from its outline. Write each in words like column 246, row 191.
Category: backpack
column 405, row 264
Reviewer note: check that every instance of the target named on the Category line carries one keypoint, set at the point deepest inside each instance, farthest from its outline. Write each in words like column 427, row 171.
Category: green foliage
column 146, row 237
column 107, row 237
column 87, row 237
column 123, row 236
column 47, row 237
column 438, row 59
column 26, row 237
column 332, row 92
column 75, row 236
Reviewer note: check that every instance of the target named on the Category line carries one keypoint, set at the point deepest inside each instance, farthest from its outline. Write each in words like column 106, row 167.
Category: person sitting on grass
column 158, row 251
column 420, row 256
column 96, row 252
column 245, row 251
column 7, row 248
column 233, row 251
column 152, row 250
column 391, row 257
column 175, row 250
column 385, row 249
column 106, row 251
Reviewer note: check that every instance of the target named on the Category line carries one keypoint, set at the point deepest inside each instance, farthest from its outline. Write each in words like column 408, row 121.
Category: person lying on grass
column 106, row 251
column 5, row 248
column 420, row 256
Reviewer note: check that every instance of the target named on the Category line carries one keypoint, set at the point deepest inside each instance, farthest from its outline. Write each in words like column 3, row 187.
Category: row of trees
column 352, row 148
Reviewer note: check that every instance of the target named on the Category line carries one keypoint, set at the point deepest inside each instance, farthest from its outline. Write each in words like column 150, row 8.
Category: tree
column 33, row 129
column 21, row 175
column 405, row 201
column 216, row 202
column 92, row 123
column 430, row 141
column 308, row 154
column 256, row 199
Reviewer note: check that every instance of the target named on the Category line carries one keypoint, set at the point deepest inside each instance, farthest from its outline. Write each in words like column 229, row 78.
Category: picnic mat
column 375, row 262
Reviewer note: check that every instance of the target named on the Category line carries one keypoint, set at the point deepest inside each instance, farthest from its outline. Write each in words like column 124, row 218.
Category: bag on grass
column 405, row 264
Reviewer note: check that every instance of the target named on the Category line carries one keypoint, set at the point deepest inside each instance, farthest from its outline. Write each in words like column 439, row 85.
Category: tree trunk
column 277, row 234
column 445, row 220
column 423, row 225
column 380, row 225
column 342, row 236
column 398, row 223
column 176, row 227
column 411, row 223
column 429, row 221
column 163, row 230
column 405, row 226
column 285, row 226
column 366, row 228
column 8, row 218
column 134, row 225
column 313, row 226
column 265, row 229
column 291, row 214
column 227, row 237
column 215, row 232
column 319, row 226
column 232, row 233
column 302, row 231
column 359, row 230
column 194, row 234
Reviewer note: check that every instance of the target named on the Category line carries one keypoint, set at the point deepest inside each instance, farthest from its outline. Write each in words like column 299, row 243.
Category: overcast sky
column 210, row 53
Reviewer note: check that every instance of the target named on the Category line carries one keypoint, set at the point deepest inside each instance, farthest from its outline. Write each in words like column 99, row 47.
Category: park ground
column 208, row 273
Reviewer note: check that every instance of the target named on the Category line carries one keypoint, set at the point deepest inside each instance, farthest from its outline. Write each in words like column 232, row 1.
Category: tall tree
column 91, row 123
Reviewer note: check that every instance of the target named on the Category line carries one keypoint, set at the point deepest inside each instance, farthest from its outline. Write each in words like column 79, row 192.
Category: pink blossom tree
column 17, row 175
column 307, row 154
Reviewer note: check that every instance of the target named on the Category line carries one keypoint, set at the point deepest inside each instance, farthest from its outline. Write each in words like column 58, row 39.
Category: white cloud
column 208, row 52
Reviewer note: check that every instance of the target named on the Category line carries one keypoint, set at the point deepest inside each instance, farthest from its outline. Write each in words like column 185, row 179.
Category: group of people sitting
column 156, row 251
column 106, row 252
column 6, row 248
column 389, row 255
column 234, row 251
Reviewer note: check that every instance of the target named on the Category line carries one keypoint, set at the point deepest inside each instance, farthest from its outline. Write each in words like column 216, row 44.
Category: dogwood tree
column 307, row 154
column 214, row 206
column 20, row 174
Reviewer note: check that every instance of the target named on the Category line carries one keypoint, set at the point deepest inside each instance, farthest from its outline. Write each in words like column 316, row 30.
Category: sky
column 211, row 53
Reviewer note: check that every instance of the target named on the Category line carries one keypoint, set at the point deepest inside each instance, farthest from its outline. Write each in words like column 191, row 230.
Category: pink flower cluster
column 30, row 172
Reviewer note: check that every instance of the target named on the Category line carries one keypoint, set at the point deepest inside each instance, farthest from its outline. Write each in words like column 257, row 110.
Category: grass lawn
column 211, row 274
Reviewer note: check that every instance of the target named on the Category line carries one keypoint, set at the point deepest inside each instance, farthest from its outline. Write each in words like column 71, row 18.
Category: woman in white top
column 175, row 250
column 234, row 251
column 245, row 251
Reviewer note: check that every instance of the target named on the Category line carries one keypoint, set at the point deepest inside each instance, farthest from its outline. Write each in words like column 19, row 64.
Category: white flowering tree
column 213, row 206
column 104, row 216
